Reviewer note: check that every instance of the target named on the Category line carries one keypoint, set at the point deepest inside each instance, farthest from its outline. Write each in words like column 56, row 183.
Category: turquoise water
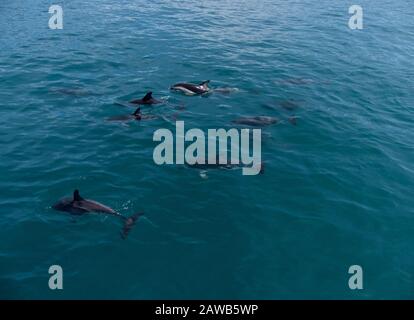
column 337, row 188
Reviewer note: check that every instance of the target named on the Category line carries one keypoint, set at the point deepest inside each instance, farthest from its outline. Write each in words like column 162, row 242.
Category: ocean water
column 337, row 188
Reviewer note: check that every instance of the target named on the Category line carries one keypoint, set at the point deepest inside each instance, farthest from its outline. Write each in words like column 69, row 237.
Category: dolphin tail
column 129, row 222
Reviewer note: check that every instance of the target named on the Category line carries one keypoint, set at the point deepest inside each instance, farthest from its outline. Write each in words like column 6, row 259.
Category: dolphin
column 290, row 105
column 147, row 99
column 191, row 89
column 207, row 166
column 225, row 90
column 293, row 120
column 137, row 115
column 257, row 121
column 227, row 165
column 80, row 92
column 79, row 206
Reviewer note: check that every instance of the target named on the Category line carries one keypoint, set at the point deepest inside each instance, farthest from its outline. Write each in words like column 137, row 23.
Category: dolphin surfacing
column 146, row 100
column 191, row 89
column 79, row 206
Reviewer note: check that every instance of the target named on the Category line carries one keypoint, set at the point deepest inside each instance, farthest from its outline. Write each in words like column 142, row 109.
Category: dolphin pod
column 77, row 205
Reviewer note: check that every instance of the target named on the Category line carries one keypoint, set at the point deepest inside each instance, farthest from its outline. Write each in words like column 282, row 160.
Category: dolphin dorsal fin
column 76, row 196
column 137, row 112
column 148, row 96
column 205, row 83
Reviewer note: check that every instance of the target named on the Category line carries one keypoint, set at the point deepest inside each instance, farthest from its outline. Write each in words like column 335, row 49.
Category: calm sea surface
column 337, row 189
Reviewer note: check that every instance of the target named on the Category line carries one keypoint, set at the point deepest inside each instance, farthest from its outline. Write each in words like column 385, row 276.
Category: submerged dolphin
column 147, row 99
column 290, row 105
column 137, row 115
column 225, row 90
column 191, row 89
column 227, row 165
column 257, row 121
column 79, row 206
column 293, row 120
column 76, row 91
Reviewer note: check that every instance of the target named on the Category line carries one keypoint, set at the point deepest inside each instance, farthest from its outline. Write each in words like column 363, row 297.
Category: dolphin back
column 67, row 205
column 94, row 206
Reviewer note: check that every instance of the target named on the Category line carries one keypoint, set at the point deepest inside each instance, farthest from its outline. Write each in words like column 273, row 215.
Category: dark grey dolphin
column 79, row 206
column 293, row 120
column 137, row 115
column 191, row 89
column 257, row 121
column 80, row 92
column 227, row 165
column 290, row 105
column 207, row 166
column 147, row 99
column 225, row 90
